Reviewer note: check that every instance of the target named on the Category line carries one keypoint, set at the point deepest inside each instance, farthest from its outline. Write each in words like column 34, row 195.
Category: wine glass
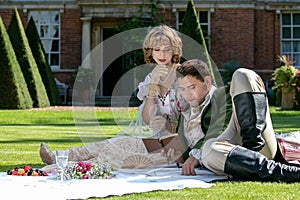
column 61, row 157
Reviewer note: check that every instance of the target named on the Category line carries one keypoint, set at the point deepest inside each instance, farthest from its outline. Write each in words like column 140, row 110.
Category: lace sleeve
column 143, row 88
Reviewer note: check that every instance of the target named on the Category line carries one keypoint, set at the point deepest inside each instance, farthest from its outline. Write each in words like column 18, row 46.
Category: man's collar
column 204, row 103
column 207, row 98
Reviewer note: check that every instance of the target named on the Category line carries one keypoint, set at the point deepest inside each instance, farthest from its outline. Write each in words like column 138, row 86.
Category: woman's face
column 162, row 55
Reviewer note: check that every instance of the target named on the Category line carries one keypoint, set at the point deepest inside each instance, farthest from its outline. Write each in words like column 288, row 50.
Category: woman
column 162, row 47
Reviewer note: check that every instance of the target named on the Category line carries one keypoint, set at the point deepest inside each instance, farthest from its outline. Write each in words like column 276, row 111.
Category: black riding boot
column 248, row 165
column 251, row 111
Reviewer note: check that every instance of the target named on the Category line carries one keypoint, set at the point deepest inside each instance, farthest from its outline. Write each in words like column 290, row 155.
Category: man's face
column 193, row 90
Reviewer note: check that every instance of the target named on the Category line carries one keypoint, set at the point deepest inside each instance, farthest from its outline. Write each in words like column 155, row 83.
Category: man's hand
column 188, row 167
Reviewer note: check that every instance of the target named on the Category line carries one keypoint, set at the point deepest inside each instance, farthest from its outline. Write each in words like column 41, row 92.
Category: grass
column 22, row 131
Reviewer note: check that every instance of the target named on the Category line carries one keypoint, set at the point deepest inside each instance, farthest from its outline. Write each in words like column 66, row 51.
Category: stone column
column 86, row 37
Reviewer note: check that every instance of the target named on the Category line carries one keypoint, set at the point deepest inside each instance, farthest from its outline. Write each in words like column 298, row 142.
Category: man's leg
column 251, row 112
column 248, row 165
column 244, row 164
column 214, row 155
column 250, row 109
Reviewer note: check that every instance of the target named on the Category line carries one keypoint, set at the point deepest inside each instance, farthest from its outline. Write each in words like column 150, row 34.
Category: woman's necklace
column 163, row 98
column 168, row 80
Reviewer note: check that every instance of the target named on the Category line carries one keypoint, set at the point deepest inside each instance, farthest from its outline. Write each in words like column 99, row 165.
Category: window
column 48, row 26
column 204, row 19
column 290, row 36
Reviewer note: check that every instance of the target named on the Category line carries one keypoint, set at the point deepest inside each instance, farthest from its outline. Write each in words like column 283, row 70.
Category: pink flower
column 85, row 177
column 88, row 166
column 80, row 163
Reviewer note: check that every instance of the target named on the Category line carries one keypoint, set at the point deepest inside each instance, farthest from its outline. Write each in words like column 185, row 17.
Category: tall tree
column 27, row 62
column 14, row 92
column 191, row 27
column 42, row 64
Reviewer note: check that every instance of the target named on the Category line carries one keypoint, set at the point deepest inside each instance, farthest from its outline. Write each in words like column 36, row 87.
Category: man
column 247, row 149
column 206, row 116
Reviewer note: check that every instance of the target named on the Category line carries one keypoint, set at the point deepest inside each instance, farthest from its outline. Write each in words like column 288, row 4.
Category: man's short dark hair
column 195, row 67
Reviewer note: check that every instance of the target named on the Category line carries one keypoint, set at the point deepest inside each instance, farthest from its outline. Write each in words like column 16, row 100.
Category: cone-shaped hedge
column 27, row 62
column 42, row 64
column 191, row 27
column 14, row 92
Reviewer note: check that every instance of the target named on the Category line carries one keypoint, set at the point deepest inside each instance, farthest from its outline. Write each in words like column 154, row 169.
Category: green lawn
column 22, row 131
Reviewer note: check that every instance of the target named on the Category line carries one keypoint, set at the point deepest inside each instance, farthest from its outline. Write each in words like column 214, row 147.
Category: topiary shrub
column 191, row 27
column 27, row 62
column 42, row 64
column 14, row 92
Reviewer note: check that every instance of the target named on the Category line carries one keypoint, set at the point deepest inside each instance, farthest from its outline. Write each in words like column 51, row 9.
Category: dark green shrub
column 228, row 69
column 191, row 27
column 42, row 64
column 26, row 61
column 14, row 92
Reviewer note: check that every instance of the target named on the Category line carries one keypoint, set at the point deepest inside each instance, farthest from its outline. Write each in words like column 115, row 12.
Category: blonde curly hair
column 162, row 35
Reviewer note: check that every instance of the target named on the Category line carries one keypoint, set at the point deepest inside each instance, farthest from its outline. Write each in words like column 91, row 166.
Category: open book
column 155, row 145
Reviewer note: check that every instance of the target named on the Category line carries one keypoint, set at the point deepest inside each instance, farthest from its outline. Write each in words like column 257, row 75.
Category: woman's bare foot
column 46, row 155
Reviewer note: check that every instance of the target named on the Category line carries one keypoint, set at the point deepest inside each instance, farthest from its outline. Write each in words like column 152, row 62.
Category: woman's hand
column 158, row 74
column 158, row 123
column 172, row 155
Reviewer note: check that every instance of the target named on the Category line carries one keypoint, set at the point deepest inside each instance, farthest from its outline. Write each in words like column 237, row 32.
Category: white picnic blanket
column 126, row 181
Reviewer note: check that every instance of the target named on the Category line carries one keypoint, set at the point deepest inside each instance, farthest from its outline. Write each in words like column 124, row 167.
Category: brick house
column 252, row 33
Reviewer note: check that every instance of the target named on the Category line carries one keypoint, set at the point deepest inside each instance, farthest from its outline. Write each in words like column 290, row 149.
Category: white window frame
column 295, row 55
column 48, row 39
column 207, row 38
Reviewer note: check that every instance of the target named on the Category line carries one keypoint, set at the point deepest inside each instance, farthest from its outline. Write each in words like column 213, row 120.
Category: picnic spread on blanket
column 101, row 181
column 124, row 181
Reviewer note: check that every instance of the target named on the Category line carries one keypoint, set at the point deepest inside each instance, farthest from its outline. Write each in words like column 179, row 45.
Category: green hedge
column 27, row 62
column 14, row 92
column 42, row 64
column 191, row 27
